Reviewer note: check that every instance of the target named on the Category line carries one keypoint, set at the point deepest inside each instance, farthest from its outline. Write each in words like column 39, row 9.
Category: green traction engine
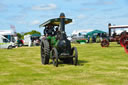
column 55, row 45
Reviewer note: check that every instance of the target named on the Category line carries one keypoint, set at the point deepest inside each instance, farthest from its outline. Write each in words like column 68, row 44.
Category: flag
column 13, row 28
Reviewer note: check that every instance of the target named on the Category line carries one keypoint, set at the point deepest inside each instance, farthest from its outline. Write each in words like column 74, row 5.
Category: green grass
column 97, row 66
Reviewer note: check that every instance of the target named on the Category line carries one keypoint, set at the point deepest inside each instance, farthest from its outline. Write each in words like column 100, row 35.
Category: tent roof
column 35, row 35
column 95, row 31
column 6, row 32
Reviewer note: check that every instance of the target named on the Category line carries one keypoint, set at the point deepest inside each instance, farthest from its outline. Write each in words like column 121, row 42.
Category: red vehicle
column 121, row 39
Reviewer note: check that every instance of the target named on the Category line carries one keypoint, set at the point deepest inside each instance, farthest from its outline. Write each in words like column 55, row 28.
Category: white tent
column 6, row 32
column 119, row 31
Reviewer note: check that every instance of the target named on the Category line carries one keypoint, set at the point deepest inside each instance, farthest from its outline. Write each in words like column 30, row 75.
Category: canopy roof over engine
column 55, row 22
column 119, row 26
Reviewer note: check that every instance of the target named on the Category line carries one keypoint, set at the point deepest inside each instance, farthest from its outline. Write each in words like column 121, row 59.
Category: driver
column 49, row 30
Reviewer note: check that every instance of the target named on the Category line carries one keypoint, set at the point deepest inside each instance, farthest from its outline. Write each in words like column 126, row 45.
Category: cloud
column 88, row 9
column 81, row 16
column 35, row 22
column 107, row 2
column 22, row 22
column 100, row 2
column 44, row 7
column 18, row 18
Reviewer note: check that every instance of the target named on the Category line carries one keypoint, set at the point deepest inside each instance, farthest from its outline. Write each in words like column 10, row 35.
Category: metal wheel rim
column 54, row 58
column 75, row 57
column 126, row 47
column 104, row 44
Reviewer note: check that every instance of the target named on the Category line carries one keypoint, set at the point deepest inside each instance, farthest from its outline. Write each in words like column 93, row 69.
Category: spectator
column 88, row 38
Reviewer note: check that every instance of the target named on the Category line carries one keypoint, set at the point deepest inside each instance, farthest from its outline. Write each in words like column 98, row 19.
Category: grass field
column 97, row 66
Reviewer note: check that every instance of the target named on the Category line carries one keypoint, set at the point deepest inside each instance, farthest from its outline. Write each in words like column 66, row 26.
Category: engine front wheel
column 55, row 57
column 74, row 56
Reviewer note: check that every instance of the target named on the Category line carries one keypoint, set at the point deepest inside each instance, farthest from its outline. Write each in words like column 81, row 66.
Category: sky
column 27, row 15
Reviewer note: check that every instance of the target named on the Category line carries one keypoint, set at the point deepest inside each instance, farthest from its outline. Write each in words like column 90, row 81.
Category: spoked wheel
column 55, row 57
column 45, row 52
column 74, row 56
column 122, row 41
column 105, row 43
column 126, row 47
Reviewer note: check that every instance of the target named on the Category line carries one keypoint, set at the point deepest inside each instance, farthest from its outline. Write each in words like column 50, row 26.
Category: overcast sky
column 27, row 15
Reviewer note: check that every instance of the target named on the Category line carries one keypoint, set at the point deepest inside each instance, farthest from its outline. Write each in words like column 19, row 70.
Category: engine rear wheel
column 55, row 57
column 122, row 39
column 74, row 56
column 45, row 52
column 105, row 43
column 126, row 46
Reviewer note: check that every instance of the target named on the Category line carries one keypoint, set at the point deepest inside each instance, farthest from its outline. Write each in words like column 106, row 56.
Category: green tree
column 19, row 35
column 32, row 32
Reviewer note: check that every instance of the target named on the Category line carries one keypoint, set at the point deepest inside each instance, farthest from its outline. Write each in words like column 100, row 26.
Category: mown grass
column 97, row 66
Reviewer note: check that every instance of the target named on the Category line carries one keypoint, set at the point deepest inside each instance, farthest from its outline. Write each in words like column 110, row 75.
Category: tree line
column 21, row 35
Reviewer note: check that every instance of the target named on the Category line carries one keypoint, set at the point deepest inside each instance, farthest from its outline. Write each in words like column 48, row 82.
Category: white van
column 5, row 43
column 10, row 36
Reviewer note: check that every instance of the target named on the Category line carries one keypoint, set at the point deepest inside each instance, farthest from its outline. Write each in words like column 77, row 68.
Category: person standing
column 88, row 38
